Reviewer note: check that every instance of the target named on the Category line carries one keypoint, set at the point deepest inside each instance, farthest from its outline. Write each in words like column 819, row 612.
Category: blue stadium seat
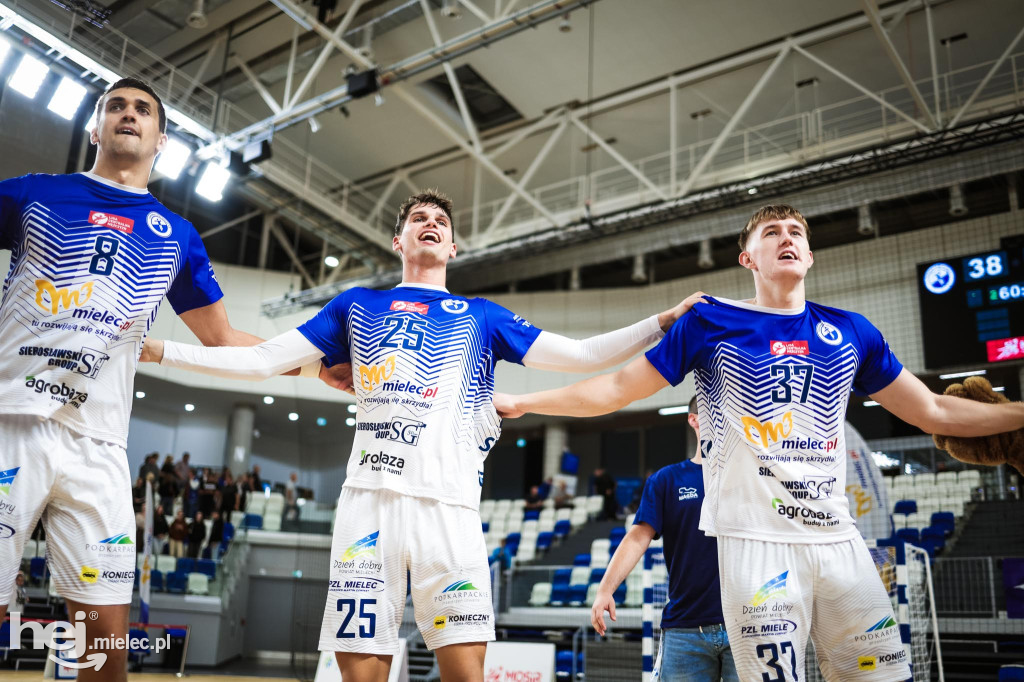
column 562, row 528
column 620, row 594
column 1007, row 673
column 229, row 533
column 597, row 574
column 910, row 535
column 207, row 567
column 513, row 538
column 577, row 594
column 581, row 560
column 486, row 526
column 37, row 572
column 137, row 653
column 252, row 522
column 177, row 582
column 185, row 565
column 531, row 515
column 944, row 520
column 579, row 664
column 905, row 507
column 544, row 540
column 614, row 546
column 617, row 534
column 560, row 586
column 563, row 664
column 156, row 581
column 561, row 576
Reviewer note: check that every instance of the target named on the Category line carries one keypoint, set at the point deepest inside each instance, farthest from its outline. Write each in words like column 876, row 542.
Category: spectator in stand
column 207, row 492
column 177, row 533
column 19, row 597
column 563, row 500
column 184, row 470
column 228, row 495
column 216, row 532
column 255, row 481
column 604, row 485
column 291, row 510
column 544, row 489
column 502, row 555
column 196, row 535
column 160, row 529
column 149, row 467
column 138, row 494
column 168, row 487
column 242, row 490
column 190, row 497
column 534, row 500
column 168, row 466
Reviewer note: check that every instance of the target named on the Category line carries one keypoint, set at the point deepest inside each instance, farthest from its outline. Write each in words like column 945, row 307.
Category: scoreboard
column 972, row 308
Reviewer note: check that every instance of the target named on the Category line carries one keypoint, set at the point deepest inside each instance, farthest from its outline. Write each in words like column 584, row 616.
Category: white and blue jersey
column 423, row 369
column 91, row 261
column 772, row 390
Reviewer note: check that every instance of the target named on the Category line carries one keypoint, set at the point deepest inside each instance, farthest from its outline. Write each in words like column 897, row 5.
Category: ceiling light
column 639, row 274
column 293, row 416
column 213, row 180
column 352, row 409
column 999, row 389
column 752, row 190
column 197, row 18
column 865, row 221
column 705, row 260
column 320, row 421
column 332, row 261
column 575, row 283
column 140, row 394
column 91, row 123
column 957, row 375
column 5, row 46
column 678, row 409
column 173, row 158
column 520, row 442
column 67, row 98
column 350, row 422
column 450, row 9
column 870, row 403
column 957, row 205
column 29, row 76
column 564, row 26
column 189, row 407
column 268, row 400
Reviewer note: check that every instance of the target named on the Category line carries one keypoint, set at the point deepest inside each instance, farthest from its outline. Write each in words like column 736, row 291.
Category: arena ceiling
column 542, row 116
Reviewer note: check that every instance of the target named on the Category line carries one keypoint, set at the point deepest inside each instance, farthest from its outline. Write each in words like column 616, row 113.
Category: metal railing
column 966, row 587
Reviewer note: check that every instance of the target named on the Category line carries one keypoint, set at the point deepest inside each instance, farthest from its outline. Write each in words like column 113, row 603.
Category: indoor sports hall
column 437, row 478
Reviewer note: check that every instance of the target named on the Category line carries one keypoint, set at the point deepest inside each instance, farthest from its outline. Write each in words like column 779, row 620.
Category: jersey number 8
column 105, row 249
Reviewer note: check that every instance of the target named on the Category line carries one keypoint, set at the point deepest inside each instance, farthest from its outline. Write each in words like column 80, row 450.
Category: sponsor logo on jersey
column 400, row 430
column 687, row 494
column 765, row 471
column 895, row 657
column 94, row 314
column 773, row 628
column 85, row 361
column 789, row 348
column 6, row 531
column 865, row 662
column 440, row 622
column 410, row 306
column 460, row 619
column 365, row 547
column 51, row 298
column 118, row 576
column 939, row 278
column 773, row 589
column 357, row 584
column 114, row 222
column 381, row 461
column 89, row 574
column 809, row 517
column 828, row 334
column 811, row 444
column 520, row 320
column 454, row 306
column 461, row 590
column 410, row 387
column 487, row 444
column 883, row 629
column 887, row 622
column 7, row 480
column 61, row 392
column 116, row 544
column 811, row 488
column 766, row 433
column 371, row 376
column 160, row 225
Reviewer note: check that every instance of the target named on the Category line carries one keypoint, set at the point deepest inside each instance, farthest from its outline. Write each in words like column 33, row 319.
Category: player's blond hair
column 772, row 212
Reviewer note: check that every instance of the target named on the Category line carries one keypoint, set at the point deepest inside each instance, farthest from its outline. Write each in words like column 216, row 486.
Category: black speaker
column 362, row 83
column 254, row 152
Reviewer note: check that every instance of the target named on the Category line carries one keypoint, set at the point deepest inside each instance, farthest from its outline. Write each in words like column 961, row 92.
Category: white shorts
column 81, row 488
column 380, row 537
column 775, row 594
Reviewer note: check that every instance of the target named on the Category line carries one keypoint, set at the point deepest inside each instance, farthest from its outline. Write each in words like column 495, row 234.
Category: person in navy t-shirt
column 694, row 644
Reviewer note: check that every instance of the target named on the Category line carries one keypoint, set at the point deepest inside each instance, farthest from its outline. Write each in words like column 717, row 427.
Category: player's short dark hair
column 431, row 197
column 137, row 85
column 772, row 212
column 692, row 407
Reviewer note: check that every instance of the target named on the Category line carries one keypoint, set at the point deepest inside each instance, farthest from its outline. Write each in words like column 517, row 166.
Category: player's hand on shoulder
column 666, row 320
column 152, row 351
column 505, row 406
column 339, row 376
column 603, row 602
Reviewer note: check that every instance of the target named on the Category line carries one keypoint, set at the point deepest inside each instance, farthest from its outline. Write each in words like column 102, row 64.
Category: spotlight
column 574, row 279
column 752, row 190
column 450, row 9
column 5, row 46
column 213, row 180
column 173, row 158
column 639, row 271
column 293, row 416
column 140, row 394
column 564, row 26
column 332, row 261
column 197, row 18
column 91, row 123
column 957, row 205
column 66, row 99
column 520, row 442
column 189, row 407
column 678, row 409
column 29, row 76
column 320, row 421
column 865, row 222
column 705, row 261
column 268, row 400
column 350, row 421
column 352, row 409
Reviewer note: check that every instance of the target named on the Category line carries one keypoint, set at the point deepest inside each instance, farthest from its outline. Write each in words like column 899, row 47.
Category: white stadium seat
column 580, row 575
column 540, row 595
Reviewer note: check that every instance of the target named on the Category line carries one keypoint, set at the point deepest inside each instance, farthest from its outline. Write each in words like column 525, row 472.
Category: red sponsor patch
column 790, row 348
column 114, row 222
column 410, row 306
column 1005, row 349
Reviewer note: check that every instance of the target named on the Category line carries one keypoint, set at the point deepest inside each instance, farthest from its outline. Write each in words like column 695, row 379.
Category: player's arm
column 255, row 363
column 562, row 354
column 910, row 400
column 632, row 547
column 590, row 397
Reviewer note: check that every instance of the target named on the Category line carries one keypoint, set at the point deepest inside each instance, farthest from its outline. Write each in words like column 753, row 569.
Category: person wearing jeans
column 694, row 644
